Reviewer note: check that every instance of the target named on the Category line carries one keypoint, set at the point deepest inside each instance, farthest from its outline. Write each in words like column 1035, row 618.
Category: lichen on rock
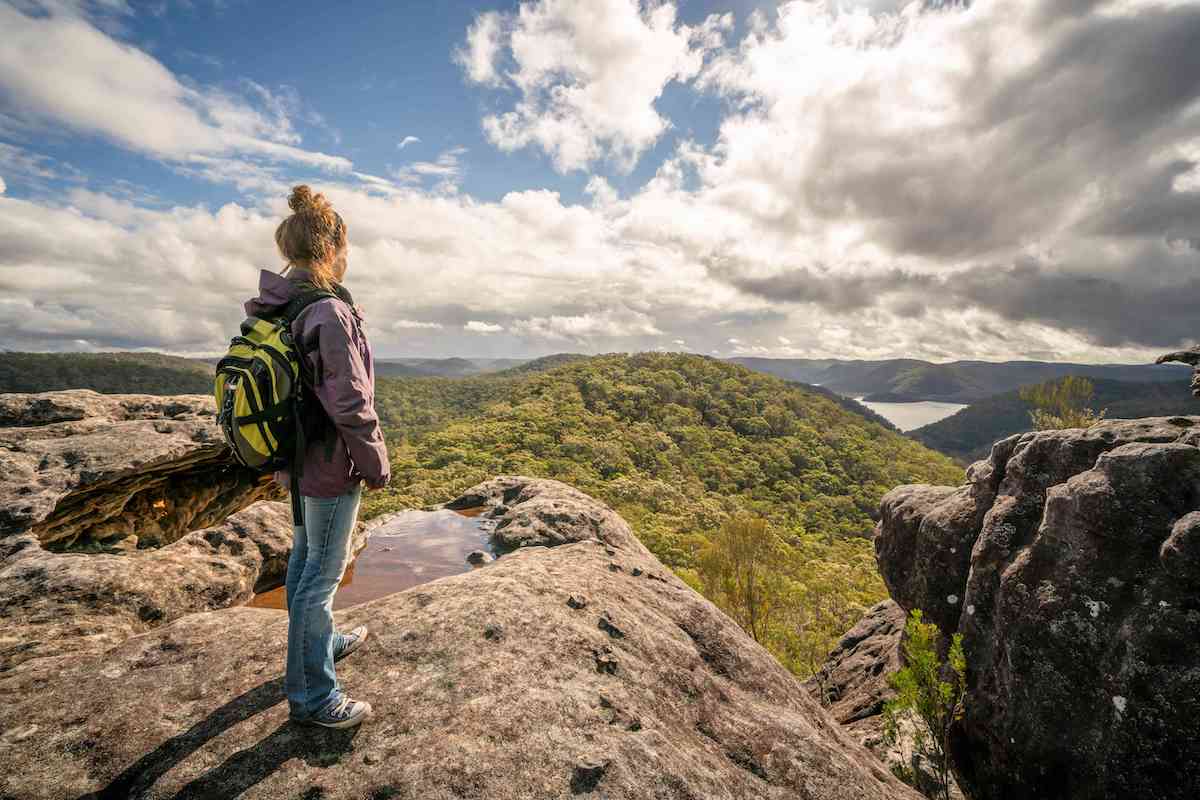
column 1072, row 560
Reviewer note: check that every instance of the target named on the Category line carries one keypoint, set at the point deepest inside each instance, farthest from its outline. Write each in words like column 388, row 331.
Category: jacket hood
column 274, row 292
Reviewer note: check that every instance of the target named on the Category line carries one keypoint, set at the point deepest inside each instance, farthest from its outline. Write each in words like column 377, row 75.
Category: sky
column 936, row 179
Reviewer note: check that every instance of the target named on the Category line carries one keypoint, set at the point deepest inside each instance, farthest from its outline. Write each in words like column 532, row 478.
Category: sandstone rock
column 105, row 478
column 78, row 469
column 544, row 513
column 1191, row 357
column 57, row 603
column 1077, row 604
column 853, row 685
column 853, row 682
column 1180, row 553
column 689, row 708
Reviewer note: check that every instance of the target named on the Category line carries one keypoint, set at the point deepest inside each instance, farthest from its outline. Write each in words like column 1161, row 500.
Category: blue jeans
column 320, row 554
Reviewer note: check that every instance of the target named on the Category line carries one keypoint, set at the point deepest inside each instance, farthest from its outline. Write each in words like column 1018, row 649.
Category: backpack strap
column 288, row 316
column 302, row 301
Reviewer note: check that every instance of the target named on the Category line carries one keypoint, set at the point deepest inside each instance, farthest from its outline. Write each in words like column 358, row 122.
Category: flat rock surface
column 1070, row 565
column 585, row 669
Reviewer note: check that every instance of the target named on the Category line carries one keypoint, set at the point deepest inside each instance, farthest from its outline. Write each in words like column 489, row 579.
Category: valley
column 912, row 415
column 703, row 472
column 679, row 445
column 911, row 380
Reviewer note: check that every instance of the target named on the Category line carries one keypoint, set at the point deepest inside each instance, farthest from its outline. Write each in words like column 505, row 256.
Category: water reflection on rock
column 411, row 548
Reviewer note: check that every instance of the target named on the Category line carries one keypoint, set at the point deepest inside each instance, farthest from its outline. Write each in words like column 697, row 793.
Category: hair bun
column 303, row 199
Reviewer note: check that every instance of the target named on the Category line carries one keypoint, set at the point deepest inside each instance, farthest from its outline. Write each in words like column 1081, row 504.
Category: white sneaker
column 349, row 642
column 341, row 713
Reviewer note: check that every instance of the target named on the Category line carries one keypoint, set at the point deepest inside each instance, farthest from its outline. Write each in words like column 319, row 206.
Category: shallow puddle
column 414, row 548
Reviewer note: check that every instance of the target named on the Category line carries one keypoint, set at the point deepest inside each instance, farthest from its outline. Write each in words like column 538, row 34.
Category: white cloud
column 601, row 191
column 588, row 74
column 407, row 140
column 35, row 169
column 248, row 176
column 71, row 274
column 610, row 323
column 56, row 68
column 447, row 168
column 871, row 193
column 917, row 182
column 478, row 56
column 408, row 324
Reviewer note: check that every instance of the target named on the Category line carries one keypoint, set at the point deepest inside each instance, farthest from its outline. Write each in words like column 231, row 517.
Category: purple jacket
column 330, row 333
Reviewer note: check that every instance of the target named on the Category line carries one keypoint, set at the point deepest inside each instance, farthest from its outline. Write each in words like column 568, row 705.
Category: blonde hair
column 312, row 236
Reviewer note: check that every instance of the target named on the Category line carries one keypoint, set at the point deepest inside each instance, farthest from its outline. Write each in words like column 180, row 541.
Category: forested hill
column 675, row 443
column 109, row 373
column 442, row 367
column 907, row 380
column 969, row 434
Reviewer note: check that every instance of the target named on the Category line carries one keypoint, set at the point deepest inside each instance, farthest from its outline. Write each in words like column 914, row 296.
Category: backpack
column 259, row 389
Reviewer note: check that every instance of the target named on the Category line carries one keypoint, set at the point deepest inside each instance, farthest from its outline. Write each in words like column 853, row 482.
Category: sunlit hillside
column 678, row 445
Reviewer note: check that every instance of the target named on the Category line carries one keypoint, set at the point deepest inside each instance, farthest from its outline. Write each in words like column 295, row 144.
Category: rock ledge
column 1070, row 563
column 582, row 669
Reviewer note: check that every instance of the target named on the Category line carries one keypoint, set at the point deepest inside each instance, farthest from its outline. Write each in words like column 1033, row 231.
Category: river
column 910, row 416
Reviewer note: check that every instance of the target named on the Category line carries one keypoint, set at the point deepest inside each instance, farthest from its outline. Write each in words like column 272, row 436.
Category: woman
column 345, row 447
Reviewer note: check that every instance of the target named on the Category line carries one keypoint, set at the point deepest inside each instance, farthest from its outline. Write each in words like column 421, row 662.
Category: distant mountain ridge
column 905, row 380
column 969, row 434
column 442, row 367
column 107, row 373
column 162, row 374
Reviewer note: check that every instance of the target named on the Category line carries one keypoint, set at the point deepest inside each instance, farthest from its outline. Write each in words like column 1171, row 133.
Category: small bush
column 927, row 705
column 1062, row 404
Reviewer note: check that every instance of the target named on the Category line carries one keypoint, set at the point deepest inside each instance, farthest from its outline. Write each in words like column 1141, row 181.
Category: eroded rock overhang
column 94, row 473
column 119, row 513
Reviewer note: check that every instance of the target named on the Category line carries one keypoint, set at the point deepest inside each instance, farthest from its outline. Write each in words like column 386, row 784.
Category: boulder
column 477, row 558
column 1069, row 565
column 543, row 514
column 577, row 668
column 853, row 684
column 91, row 486
column 56, row 603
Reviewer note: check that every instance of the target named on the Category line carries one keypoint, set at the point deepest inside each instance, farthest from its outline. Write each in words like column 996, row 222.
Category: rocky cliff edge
column 575, row 665
column 1070, row 563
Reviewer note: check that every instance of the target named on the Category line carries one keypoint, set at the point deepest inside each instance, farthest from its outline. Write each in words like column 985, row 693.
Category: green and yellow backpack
column 259, row 388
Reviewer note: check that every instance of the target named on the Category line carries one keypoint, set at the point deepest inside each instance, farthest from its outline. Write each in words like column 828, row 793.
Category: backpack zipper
column 275, row 355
